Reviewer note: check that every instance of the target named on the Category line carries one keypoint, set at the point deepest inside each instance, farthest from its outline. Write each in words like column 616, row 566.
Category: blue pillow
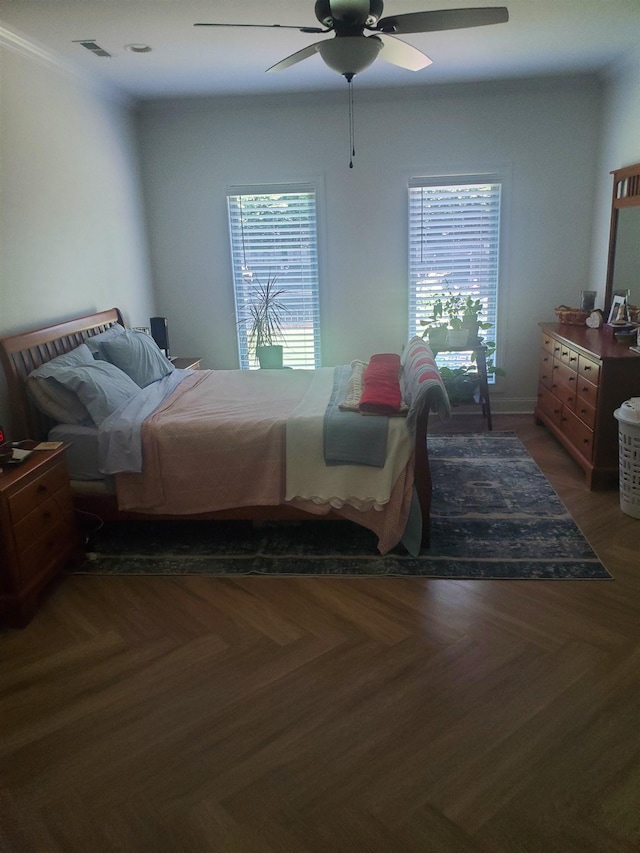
column 100, row 386
column 138, row 355
column 57, row 402
column 94, row 342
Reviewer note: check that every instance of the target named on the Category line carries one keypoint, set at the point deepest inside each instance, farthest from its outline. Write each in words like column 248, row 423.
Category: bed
column 236, row 444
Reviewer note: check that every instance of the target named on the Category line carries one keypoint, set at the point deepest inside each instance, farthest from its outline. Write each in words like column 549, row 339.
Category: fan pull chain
column 352, row 131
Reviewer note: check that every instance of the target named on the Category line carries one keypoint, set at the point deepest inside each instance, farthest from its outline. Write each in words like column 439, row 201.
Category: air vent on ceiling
column 91, row 45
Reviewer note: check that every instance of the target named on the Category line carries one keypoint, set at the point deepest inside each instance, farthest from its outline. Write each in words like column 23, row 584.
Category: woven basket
column 571, row 316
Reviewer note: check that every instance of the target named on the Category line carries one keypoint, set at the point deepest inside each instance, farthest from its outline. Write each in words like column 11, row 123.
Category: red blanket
column 381, row 387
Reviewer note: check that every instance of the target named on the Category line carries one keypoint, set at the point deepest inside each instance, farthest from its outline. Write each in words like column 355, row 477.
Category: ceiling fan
column 351, row 51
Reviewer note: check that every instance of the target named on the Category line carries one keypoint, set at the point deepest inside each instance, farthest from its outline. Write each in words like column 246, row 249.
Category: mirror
column 623, row 270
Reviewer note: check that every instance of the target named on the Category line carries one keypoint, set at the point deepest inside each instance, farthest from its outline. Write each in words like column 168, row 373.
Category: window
column 454, row 233
column 274, row 234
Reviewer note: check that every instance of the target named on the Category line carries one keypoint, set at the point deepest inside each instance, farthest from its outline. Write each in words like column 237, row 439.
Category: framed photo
column 618, row 314
column 625, row 292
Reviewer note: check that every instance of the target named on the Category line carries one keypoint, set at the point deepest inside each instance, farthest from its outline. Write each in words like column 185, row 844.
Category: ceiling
column 542, row 37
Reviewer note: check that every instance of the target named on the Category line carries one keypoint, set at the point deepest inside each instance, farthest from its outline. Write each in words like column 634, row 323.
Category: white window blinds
column 454, row 239
column 274, row 235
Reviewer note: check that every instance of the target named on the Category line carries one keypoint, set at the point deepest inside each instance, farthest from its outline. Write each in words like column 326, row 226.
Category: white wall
column 72, row 237
column 543, row 136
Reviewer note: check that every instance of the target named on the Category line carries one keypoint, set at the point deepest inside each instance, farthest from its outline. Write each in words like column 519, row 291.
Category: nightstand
column 38, row 535
column 186, row 363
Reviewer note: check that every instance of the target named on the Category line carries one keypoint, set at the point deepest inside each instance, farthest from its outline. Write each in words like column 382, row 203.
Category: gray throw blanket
column 349, row 437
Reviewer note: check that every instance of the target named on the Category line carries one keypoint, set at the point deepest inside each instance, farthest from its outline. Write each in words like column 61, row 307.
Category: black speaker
column 160, row 333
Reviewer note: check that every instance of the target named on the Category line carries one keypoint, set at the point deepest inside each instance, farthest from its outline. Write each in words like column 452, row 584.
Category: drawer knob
column 42, row 489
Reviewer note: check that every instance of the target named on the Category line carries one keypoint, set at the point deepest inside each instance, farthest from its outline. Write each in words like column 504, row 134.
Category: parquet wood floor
column 328, row 715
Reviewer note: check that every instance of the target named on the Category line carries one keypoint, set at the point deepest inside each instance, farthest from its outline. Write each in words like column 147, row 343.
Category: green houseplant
column 455, row 320
column 265, row 314
column 463, row 382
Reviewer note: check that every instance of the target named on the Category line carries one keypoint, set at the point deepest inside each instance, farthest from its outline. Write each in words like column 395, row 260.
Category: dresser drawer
column 568, row 356
column 550, row 406
column 578, row 433
column 551, row 345
column 41, row 521
column 586, row 412
column 589, row 369
column 546, row 369
column 587, row 392
column 566, row 394
column 37, row 491
column 566, row 375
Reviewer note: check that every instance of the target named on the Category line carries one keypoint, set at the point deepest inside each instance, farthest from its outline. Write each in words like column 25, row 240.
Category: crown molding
column 13, row 40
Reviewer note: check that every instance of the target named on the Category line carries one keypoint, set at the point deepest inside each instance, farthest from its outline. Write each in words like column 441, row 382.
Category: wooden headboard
column 22, row 353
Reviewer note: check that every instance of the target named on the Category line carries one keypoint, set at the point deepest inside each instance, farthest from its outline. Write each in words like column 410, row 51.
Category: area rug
column 495, row 515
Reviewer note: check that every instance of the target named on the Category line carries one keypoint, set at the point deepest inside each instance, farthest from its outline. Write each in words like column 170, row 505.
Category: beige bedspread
column 219, row 442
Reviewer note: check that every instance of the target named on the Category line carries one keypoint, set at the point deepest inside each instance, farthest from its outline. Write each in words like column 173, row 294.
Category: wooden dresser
column 585, row 374
column 38, row 536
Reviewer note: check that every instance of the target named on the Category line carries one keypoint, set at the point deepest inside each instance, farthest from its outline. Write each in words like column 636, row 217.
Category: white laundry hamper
column 629, row 457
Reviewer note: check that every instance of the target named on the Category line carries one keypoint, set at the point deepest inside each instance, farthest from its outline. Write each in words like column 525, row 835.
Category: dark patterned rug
column 495, row 515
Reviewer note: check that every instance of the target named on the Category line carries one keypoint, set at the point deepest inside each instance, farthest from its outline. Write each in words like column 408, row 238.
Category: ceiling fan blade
column 305, row 53
column 400, row 53
column 269, row 26
column 443, row 19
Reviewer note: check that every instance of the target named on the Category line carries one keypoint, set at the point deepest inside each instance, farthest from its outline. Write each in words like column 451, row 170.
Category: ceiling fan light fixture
column 138, row 48
column 349, row 55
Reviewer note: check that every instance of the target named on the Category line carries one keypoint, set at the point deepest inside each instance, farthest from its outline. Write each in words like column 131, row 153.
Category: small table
column 38, row 535
column 480, row 351
column 186, row 362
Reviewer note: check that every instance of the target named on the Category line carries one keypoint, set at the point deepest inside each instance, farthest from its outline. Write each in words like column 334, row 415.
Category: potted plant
column 436, row 327
column 454, row 321
column 463, row 382
column 264, row 320
column 471, row 311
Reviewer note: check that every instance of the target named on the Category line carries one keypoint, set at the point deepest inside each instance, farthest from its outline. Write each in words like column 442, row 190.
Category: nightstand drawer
column 41, row 521
column 37, row 491
column 51, row 550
